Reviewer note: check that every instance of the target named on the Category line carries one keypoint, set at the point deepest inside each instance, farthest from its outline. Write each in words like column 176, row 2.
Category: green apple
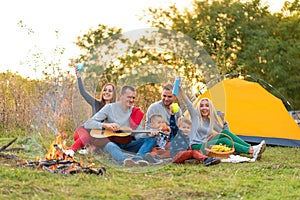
column 175, row 107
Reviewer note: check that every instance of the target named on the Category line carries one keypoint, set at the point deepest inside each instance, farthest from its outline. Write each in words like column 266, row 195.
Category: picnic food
column 166, row 128
column 174, row 107
column 220, row 148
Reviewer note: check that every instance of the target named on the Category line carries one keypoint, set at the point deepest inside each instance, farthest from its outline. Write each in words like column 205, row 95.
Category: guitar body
column 102, row 137
column 124, row 136
column 101, row 142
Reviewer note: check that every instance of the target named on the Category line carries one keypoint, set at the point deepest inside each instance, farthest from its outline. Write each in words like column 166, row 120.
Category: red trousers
column 163, row 153
column 181, row 156
column 81, row 138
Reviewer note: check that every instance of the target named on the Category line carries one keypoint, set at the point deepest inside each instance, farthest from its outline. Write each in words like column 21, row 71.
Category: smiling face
column 204, row 108
column 186, row 128
column 167, row 98
column 127, row 98
column 157, row 122
column 108, row 93
column 185, row 125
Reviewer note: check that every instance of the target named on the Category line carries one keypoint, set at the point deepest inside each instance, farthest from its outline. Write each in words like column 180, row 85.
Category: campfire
column 56, row 161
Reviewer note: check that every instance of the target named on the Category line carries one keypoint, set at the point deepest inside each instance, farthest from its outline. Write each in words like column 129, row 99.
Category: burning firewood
column 58, row 162
column 63, row 167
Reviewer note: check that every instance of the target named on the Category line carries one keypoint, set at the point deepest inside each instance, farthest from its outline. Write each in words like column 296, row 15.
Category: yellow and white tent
column 253, row 113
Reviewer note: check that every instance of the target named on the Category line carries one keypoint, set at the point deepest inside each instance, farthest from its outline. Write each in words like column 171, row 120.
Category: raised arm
column 187, row 102
column 225, row 123
column 88, row 98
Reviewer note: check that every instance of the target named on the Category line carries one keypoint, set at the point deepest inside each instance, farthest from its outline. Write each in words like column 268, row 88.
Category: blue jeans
column 140, row 147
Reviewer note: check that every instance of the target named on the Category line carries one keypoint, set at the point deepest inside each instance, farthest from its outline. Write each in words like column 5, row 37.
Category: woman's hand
column 222, row 116
column 210, row 136
column 77, row 72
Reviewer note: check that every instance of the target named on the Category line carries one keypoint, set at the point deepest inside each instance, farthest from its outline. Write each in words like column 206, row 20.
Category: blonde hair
column 213, row 118
column 185, row 120
column 154, row 117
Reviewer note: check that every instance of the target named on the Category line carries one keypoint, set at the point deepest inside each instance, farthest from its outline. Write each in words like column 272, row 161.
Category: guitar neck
column 137, row 131
column 102, row 133
column 144, row 131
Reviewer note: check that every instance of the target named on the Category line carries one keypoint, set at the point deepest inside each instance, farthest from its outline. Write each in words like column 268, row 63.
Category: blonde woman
column 208, row 126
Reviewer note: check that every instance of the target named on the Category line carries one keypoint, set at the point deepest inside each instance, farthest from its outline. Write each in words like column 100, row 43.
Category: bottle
column 79, row 67
column 176, row 86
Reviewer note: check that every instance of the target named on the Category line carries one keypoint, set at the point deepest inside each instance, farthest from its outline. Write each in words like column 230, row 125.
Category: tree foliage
column 243, row 37
column 146, row 59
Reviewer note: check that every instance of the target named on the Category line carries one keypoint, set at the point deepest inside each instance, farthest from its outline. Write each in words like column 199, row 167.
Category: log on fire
column 58, row 162
column 63, row 167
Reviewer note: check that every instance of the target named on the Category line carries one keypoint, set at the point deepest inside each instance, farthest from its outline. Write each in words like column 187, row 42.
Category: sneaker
column 262, row 150
column 90, row 149
column 69, row 152
column 83, row 151
column 211, row 161
column 153, row 160
column 134, row 162
column 192, row 161
column 140, row 161
column 128, row 162
column 256, row 151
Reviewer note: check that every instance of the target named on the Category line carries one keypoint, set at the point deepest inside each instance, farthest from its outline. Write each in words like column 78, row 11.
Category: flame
column 55, row 151
column 58, row 162
column 56, row 148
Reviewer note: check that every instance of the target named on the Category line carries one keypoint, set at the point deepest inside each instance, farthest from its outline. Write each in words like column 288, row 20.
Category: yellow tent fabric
column 253, row 113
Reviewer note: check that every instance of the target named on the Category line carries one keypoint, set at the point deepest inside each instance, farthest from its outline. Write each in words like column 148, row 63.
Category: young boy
column 157, row 123
column 180, row 150
column 162, row 149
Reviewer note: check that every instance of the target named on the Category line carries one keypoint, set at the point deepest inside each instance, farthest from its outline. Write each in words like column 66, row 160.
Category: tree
column 243, row 38
column 148, row 58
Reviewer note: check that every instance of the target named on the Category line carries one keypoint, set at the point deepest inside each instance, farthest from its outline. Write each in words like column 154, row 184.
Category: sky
column 70, row 18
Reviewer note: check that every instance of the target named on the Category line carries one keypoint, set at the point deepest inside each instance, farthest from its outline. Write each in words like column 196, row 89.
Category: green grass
column 276, row 176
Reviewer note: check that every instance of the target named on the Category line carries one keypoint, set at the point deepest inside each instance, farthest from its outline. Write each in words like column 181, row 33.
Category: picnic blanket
column 237, row 159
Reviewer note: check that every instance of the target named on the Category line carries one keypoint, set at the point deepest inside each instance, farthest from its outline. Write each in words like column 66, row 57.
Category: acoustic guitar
column 123, row 136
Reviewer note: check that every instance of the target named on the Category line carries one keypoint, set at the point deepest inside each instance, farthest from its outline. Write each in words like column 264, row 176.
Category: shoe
column 153, row 160
column 90, row 149
column 142, row 163
column 128, row 162
column 83, row 151
column 262, row 149
column 192, row 161
column 256, row 150
column 69, row 152
column 211, row 161
column 134, row 162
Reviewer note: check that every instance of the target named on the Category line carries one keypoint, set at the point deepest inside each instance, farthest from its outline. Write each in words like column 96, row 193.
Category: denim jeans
column 140, row 147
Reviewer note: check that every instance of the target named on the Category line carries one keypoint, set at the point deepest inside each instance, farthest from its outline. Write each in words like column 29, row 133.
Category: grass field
column 276, row 176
